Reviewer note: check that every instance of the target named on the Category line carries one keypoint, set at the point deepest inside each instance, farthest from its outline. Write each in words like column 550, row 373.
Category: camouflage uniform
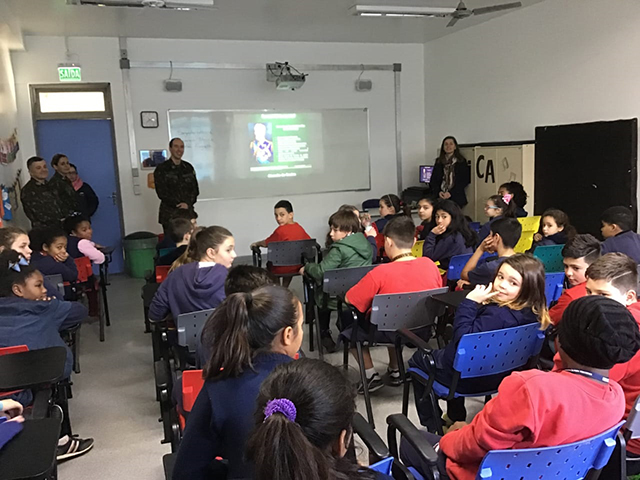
column 41, row 204
column 66, row 194
column 175, row 184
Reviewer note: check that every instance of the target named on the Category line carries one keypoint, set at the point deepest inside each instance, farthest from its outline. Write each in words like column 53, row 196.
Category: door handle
column 114, row 197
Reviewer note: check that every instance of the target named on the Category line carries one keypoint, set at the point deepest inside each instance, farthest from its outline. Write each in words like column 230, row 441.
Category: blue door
column 89, row 146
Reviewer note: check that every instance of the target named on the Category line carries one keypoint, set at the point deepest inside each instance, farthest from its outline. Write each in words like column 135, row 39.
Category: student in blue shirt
column 303, row 425
column 251, row 334
column 516, row 190
column 450, row 237
column 617, row 229
column 505, row 234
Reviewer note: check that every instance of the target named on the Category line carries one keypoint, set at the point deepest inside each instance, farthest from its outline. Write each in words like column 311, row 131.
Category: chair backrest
column 15, row 349
column 568, row 462
column 457, row 263
column 530, row 224
column 410, row 310
column 192, row 383
column 416, row 251
column 632, row 427
column 83, row 265
column 383, row 466
column 161, row 272
column 164, row 251
column 475, row 226
column 287, row 254
column 551, row 257
column 189, row 326
column 57, row 281
column 337, row 283
column 525, row 242
column 371, row 203
column 553, row 286
column 497, row 351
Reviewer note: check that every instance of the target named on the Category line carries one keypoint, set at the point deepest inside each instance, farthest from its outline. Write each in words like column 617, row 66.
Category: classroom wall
column 555, row 62
column 249, row 219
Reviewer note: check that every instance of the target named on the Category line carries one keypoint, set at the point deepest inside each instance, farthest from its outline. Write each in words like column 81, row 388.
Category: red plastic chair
column 9, row 351
column 192, row 383
column 161, row 272
column 83, row 264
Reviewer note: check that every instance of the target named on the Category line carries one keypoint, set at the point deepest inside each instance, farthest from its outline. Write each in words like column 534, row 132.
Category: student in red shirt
column 539, row 409
column 287, row 231
column 579, row 252
column 405, row 273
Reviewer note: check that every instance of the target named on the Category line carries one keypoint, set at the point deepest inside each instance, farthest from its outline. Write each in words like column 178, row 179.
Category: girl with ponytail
column 496, row 206
column 249, row 334
column 303, row 425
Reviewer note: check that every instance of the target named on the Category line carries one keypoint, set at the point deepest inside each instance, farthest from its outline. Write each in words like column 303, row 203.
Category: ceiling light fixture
column 400, row 11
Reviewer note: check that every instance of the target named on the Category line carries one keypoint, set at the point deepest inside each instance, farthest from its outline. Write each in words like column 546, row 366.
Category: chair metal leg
column 311, row 340
column 345, row 358
column 76, row 352
column 487, row 398
column 438, row 418
column 365, row 385
column 316, row 321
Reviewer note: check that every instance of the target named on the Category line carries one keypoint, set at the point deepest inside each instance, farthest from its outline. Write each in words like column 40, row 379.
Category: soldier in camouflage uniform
column 176, row 183
column 39, row 199
column 66, row 193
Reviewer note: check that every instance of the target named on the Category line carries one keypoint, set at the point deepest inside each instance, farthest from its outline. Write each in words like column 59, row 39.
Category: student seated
column 540, row 409
column 287, row 231
column 180, row 230
column 349, row 249
column 184, row 213
column 303, row 425
column 516, row 190
column 50, row 254
column 577, row 255
column 556, row 229
column 390, row 207
column 29, row 317
column 197, row 285
column 505, row 234
column 79, row 242
column 617, row 229
column 365, row 226
column 404, row 273
column 450, row 237
column 426, row 206
column 514, row 298
column 253, row 333
column 496, row 207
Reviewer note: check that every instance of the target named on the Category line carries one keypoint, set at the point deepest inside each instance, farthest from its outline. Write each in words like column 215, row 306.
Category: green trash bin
column 139, row 253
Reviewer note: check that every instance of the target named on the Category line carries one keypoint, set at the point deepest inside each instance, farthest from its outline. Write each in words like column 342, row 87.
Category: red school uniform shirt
column 533, row 409
column 568, row 296
column 287, row 233
column 395, row 277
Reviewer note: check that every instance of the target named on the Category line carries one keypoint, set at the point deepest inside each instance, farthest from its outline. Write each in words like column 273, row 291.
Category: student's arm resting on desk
column 159, row 307
column 88, row 249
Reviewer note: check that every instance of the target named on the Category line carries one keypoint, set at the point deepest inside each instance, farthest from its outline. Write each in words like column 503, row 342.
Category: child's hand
column 481, row 294
column 11, row 408
column 537, row 237
column 457, row 426
column 301, row 271
column 61, row 257
column 461, row 283
column 371, row 232
column 438, row 229
column 445, row 195
column 487, row 245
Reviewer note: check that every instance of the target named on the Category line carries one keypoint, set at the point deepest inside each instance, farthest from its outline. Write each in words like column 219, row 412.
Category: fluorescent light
column 400, row 11
column 370, row 14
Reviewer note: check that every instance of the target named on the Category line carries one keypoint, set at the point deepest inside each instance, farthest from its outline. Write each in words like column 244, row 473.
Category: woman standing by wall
column 451, row 173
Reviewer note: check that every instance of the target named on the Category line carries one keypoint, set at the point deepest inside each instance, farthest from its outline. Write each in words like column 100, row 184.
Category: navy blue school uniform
column 72, row 246
column 221, row 421
column 471, row 317
column 559, row 238
column 49, row 266
column 382, row 222
column 521, row 212
column 485, row 230
column 625, row 242
column 485, row 270
column 172, row 256
column 440, row 248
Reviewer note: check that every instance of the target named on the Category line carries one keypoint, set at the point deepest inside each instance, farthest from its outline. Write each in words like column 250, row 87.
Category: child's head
column 390, row 204
column 520, row 282
column 16, row 239
column 213, row 244
column 18, row 279
column 616, row 220
column 614, row 275
column 498, row 205
column 268, row 319
column 342, row 224
column 180, row 230
column 78, row 226
column 554, row 221
column 188, row 214
column 54, row 241
column 425, row 208
column 303, row 423
column 516, row 190
column 399, row 234
column 578, row 253
column 247, row 278
column 449, row 215
column 506, row 231
column 283, row 211
column 598, row 333
column 350, row 208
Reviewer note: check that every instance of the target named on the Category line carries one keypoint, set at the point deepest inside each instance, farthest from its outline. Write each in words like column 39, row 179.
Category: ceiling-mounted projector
column 285, row 76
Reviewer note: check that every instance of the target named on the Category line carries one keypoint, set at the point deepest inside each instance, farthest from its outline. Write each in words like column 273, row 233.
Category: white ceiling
column 286, row 20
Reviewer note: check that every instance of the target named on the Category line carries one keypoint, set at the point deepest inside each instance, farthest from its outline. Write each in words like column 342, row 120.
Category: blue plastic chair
column 372, row 203
column 551, row 257
column 475, row 226
column 457, row 263
column 479, row 355
column 383, row 466
column 553, row 283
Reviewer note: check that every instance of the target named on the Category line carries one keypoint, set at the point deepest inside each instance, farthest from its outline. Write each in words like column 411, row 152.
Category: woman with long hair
column 451, row 173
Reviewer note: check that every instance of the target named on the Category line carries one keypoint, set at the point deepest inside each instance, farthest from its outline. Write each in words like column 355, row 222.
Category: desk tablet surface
column 32, row 453
column 451, row 299
column 32, row 369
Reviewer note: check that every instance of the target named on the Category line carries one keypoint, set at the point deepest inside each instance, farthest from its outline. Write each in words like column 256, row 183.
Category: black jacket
column 462, row 179
column 87, row 200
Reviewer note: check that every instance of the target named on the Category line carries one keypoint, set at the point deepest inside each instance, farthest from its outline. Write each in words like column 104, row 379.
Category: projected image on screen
column 265, row 153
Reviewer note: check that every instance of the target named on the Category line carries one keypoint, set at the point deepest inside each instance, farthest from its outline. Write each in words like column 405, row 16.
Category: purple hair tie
column 281, row 405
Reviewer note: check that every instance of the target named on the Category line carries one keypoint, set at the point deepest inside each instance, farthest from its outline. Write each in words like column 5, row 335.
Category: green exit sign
column 70, row 74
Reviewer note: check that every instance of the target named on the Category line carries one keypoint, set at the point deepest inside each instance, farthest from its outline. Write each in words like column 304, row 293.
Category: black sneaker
column 395, row 380
column 328, row 344
column 374, row 383
column 74, row 448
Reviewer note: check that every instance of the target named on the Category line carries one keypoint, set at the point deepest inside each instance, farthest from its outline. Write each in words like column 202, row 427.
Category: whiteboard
column 265, row 153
